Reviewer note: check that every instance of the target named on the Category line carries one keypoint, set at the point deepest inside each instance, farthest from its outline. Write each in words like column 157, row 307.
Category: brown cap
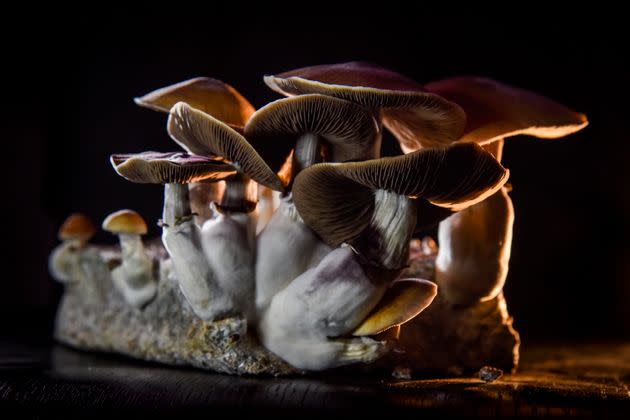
column 337, row 200
column 413, row 115
column 350, row 130
column 403, row 301
column 211, row 96
column 496, row 110
column 167, row 168
column 77, row 226
column 204, row 135
column 125, row 221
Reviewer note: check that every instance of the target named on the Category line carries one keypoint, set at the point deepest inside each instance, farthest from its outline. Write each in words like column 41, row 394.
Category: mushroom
column 228, row 239
column 134, row 277
column 317, row 128
column 74, row 233
column 475, row 244
column 180, row 235
column 212, row 97
column 371, row 206
column 407, row 109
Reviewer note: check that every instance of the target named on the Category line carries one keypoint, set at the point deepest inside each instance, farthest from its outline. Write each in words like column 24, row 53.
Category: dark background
column 70, row 88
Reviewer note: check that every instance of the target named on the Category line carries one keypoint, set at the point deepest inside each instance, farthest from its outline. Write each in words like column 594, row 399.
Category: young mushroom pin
column 134, row 277
column 475, row 244
column 181, row 236
column 74, row 233
column 316, row 128
column 371, row 206
column 229, row 239
column 405, row 107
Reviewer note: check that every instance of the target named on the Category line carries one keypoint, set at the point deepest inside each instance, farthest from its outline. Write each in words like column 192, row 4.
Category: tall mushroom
column 371, row 206
column 316, row 128
column 74, row 233
column 215, row 98
column 229, row 239
column 404, row 106
column 134, row 278
column 181, row 236
column 472, row 262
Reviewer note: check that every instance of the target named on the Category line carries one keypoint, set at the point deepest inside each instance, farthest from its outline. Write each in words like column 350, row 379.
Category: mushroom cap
column 76, row 226
column 211, row 96
column 125, row 221
column 414, row 115
column 173, row 167
column 496, row 110
column 202, row 134
column 337, row 200
column 349, row 128
column 403, row 301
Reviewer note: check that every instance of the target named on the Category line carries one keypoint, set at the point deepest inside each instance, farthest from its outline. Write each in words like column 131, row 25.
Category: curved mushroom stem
column 474, row 254
column 329, row 300
column 385, row 243
column 202, row 194
column 307, row 152
column 285, row 248
column 182, row 239
column 134, row 277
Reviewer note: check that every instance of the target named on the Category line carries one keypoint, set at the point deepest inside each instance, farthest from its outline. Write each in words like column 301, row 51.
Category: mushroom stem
column 176, row 203
column 182, row 239
column 138, row 265
column 285, row 248
column 64, row 261
column 327, row 301
column 385, row 243
column 307, row 152
column 240, row 194
column 474, row 254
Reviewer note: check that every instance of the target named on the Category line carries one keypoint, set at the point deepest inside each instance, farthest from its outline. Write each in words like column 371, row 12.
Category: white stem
column 229, row 245
column 327, row 301
column 285, row 248
column 307, row 152
column 64, row 262
column 385, row 243
column 134, row 277
column 474, row 250
column 268, row 203
column 182, row 239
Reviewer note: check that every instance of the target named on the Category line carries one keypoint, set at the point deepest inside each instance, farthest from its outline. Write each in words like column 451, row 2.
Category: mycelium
column 229, row 238
column 317, row 128
column 74, row 233
column 371, row 206
column 475, row 244
column 134, row 277
column 180, row 235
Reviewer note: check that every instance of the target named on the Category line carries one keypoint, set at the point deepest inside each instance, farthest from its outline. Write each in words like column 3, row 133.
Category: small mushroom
column 472, row 262
column 74, row 233
column 181, row 236
column 228, row 239
column 134, row 277
column 316, row 127
column 414, row 115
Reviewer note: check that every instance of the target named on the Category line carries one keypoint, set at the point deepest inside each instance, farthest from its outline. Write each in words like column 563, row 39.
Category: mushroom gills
column 324, row 302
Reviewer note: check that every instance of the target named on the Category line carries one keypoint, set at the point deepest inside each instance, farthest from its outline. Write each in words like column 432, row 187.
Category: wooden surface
column 559, row 380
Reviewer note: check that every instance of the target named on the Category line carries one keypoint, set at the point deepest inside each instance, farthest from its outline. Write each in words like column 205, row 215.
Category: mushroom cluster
column 289, row 217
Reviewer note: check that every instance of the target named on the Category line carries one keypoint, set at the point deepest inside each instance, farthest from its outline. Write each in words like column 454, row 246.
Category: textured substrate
column 94, row 316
